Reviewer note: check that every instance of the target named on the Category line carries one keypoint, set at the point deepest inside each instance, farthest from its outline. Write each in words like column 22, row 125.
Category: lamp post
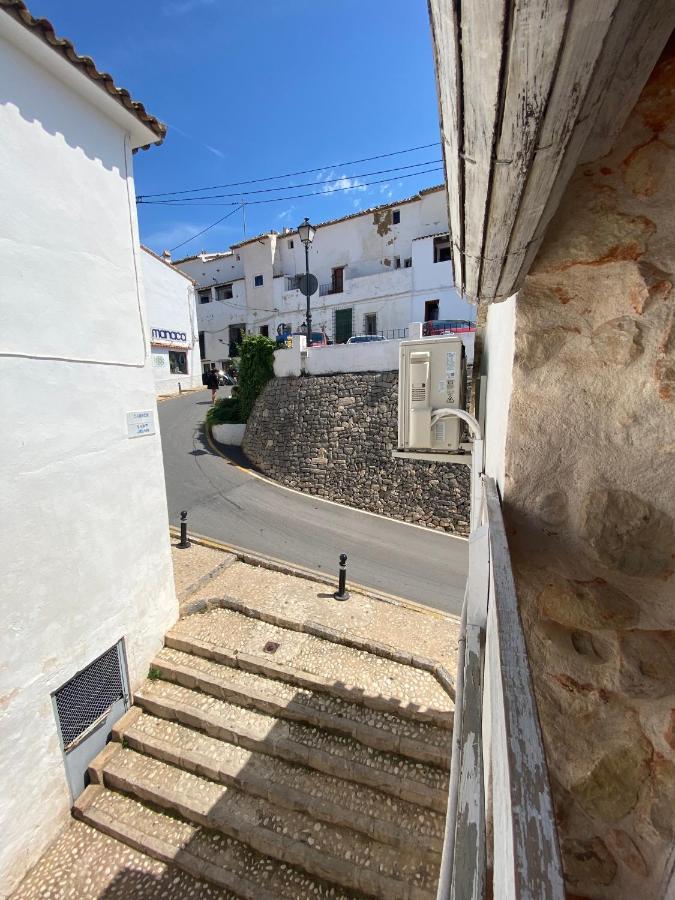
column 306, row 233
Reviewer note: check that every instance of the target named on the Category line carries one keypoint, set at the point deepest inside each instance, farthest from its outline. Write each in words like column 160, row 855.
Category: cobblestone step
column 314, row 663
column 421, row 741
column 336, row 755
column 202, row 854
column 322, row 796
column 338, row 855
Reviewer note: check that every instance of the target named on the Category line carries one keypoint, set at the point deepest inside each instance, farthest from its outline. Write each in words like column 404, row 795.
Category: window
column 224, row 292
column 396, row 217
column 290, row 245
column 370, row 323
column 258, row 281
column 407, row 262
column 442, row 249
column 202, row 345
column 264, row 330
column 205, row 296
column 178, row 362
column 431, row 310
column 397, row 262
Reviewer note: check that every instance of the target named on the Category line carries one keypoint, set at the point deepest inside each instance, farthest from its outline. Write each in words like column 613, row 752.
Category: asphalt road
column 233, row 506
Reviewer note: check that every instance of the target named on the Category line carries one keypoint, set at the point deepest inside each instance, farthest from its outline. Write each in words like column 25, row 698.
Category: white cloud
column 172, row 235
column 215, row 151
column 183, row 7
column 343, row 183
column 356, row 203
column 284, row 214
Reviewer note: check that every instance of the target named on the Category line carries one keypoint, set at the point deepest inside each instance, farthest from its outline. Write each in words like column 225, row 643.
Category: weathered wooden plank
column 527, row 862
column 587, row 27
column 447, row 56
column 635, row 25
column 535, row 38
column 469, row 870
column 478, row 580
column 482, row 28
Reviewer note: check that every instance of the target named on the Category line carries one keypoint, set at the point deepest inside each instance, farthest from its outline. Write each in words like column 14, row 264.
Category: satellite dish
column 308, row 284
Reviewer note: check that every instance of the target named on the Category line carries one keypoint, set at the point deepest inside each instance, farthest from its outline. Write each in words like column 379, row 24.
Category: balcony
column 330, row 288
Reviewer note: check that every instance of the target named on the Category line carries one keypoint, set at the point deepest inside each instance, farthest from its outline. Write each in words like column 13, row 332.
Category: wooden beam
column 527, row 863
column 535, row 38
column 634, row 25
column 469, row 867
column 587, row 28
column 447, row 57
column 482, row 50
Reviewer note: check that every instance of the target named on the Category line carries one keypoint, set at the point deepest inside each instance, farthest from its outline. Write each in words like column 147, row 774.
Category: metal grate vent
column 439, row 429
column 89, row 695
column 418, row 394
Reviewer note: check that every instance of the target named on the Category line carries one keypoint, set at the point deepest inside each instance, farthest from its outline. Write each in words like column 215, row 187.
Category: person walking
column 213, row 383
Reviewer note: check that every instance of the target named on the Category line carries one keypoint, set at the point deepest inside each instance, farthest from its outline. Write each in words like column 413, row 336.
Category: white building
column 172, row 323
column 378, row 270
column 86, row 566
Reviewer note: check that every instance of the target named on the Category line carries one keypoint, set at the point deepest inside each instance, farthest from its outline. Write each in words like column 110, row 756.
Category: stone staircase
column 274, row 763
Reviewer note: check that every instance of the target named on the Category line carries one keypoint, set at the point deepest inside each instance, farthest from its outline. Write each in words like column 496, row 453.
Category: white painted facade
column 84, row 545
column 172, row 325
column 388, row 275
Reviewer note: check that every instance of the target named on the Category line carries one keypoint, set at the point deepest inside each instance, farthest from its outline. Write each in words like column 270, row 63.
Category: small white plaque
column 140, row 423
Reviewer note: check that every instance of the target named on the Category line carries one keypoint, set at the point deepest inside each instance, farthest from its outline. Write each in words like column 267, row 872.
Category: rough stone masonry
column 332, row 436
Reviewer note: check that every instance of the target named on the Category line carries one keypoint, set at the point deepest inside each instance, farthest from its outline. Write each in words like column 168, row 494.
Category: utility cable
column 193, row 202
column 352, row 162
column 286, row 187
column 208, row 228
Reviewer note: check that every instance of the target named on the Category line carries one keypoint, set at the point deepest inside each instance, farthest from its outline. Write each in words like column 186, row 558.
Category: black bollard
column 342, row 593
column 184, row 543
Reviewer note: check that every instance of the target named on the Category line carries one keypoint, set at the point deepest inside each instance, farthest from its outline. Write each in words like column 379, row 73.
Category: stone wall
column 332, row 436
column 589, row 499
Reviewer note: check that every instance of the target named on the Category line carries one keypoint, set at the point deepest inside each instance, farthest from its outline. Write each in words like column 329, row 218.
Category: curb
column 286, row 568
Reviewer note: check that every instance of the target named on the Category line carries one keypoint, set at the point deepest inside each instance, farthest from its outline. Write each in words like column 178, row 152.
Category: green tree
column 256, row 367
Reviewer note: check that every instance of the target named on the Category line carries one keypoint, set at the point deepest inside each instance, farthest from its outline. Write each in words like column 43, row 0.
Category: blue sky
column 255, row 89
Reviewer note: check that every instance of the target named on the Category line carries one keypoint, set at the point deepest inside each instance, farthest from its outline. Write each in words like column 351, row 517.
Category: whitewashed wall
column 170, row 303
column 366, row 245
column 84, row 545
column 497, row 364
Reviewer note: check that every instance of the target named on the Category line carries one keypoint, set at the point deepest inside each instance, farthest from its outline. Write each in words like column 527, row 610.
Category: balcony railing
column 499, row 780
column 330, row 288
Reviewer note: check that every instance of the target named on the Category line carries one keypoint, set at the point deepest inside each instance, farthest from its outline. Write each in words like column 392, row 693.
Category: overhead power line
column 352, row 162
column 208, row 228
column 356, row 187
column 286, row 187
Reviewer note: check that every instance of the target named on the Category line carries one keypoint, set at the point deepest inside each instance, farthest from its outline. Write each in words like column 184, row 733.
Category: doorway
column 337, row 280
column 343, row 325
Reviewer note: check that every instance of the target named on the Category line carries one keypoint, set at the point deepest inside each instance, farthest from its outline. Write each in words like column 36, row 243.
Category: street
column 233, row 506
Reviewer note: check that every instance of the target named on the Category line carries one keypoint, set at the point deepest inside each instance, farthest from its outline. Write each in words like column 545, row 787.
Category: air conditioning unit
column 431, row 376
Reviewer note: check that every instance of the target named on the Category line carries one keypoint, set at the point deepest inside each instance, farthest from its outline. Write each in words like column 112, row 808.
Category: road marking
column 313, row 574
column 283, row 487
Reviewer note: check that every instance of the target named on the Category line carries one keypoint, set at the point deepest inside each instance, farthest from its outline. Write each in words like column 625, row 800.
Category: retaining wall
column 332, row 436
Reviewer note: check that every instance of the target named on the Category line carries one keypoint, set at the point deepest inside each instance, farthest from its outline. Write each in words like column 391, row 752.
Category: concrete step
column 328, row 799
column 314, row 663
column 202, row 854
column 335, row 755
column 338, row 855
column 386, row 731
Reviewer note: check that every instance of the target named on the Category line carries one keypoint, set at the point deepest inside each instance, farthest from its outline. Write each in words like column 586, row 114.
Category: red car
column 447, row 326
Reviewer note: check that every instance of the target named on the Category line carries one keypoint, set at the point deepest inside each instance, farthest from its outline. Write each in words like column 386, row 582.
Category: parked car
column 365, row 338
column 447, row 326
column 224, row 378
column 319, row 339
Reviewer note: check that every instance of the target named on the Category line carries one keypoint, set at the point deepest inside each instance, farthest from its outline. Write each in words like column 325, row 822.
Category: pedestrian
column 212, row 382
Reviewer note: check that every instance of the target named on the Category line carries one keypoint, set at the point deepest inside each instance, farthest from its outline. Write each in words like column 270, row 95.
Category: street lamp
column 306, row 233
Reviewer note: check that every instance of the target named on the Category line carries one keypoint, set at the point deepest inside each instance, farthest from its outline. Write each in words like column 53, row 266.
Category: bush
column 256, row 367
column 225, row 412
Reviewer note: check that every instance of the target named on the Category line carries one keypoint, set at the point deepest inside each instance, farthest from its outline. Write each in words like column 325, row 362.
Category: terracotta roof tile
column 44, row 29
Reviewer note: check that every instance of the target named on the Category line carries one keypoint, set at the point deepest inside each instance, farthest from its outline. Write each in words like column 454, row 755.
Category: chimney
column 167, row 256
